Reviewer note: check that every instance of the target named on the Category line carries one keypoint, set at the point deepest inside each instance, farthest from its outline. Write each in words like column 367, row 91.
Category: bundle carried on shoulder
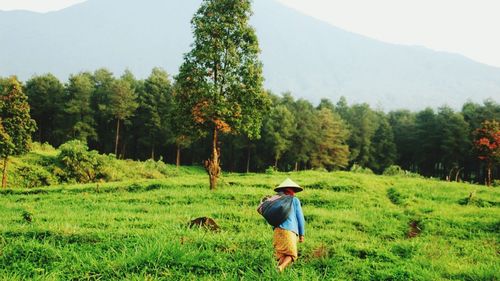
column 276, row 209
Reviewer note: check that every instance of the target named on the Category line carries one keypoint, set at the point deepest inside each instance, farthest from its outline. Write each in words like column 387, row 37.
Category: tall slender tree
column 403, row 125
column 331, row 151
column 79, row 113
column 45, row 95
column 278, row 130
column 428, row 145
column 16, row 125
column 306, row 135
column 383, row 146
column 363, row 123
column 453, row 140
column 221, row 80
column 122, row 105
column 103, row 82
column 155, row 109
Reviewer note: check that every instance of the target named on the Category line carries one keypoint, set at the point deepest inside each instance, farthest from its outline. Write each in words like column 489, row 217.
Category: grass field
column 359, row 227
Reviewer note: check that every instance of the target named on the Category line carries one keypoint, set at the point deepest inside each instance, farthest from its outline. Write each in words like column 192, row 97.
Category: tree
column 78, row 110
column 331, row 151
column 154, row 111
column 453, row 140
column 16, row 124
column 122, row 105
column 427, row 142
column 45, row 95
column 475, row 114
column 383, row 146
column 487, row 145
column 362, row 124
column 403, row 125
column 220, row 79
column 306, row 135
column 278, row 130
column 103, row 81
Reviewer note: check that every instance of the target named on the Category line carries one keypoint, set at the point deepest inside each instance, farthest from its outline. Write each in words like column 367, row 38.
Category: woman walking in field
column 291, row 230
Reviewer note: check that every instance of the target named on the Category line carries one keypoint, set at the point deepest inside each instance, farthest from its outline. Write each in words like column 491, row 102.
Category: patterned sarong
column 285, row 244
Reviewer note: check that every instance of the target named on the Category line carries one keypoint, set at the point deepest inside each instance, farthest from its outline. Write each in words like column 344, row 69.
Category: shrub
column 270, row 170
column 78, row 163
column 393, row 170
column 159, row 166
column 46, row 147
column 34, row 176
column 361, row 170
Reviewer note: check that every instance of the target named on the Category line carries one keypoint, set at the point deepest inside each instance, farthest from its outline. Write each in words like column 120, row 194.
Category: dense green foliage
column 359, row 227
column 436, row 144
column 433, row 143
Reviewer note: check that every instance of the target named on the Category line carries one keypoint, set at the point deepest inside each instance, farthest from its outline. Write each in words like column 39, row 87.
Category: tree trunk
column 458, row 174
column 153, row 152
column 276, row 163
column 488, row 179
column 4, row 173
column 178, row 157
column 296, row 166
column 212, row 165
column 248, row 159
column 117, row 136
column 448, row 178
column 124, row 150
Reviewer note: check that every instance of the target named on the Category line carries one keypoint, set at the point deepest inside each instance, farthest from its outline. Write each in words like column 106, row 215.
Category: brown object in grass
column 205, row 222
column 320, row 252
column 414, row 230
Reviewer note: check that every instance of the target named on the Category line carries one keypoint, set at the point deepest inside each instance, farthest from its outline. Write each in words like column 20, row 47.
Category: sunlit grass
column 356, row 230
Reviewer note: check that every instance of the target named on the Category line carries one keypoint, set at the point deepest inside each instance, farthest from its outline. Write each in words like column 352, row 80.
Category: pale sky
column 467, row 27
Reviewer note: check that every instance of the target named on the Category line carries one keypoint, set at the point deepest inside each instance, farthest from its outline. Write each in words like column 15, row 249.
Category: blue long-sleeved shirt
column 295, row 222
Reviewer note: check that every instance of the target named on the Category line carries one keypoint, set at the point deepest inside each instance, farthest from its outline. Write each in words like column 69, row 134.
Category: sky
column 467, row 27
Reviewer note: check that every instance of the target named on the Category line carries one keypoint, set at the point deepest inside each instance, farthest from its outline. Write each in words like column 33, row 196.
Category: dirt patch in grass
column 320, row 252
column 204, row 222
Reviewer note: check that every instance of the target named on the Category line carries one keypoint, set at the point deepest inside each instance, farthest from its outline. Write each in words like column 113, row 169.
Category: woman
column 291, row 230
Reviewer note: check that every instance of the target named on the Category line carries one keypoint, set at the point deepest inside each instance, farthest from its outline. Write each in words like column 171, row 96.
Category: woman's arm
column 300, row 217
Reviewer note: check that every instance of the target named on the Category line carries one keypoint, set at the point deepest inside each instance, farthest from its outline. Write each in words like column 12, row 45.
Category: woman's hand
column 301, row 239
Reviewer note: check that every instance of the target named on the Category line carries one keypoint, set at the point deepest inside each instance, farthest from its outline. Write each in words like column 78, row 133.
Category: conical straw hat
column 289, row 183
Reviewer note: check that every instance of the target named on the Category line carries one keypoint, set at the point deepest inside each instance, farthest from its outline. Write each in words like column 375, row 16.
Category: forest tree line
column 139, row 119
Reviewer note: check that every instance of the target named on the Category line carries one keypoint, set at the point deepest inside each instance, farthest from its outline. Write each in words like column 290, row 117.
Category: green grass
column 358, row 228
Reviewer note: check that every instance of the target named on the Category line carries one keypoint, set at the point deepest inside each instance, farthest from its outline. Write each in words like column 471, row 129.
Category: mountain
column 310, row 58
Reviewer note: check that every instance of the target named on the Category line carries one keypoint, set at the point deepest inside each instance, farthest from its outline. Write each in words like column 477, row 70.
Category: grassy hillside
column 359, row 227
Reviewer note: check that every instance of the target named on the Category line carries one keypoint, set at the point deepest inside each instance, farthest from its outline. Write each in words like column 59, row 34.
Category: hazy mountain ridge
column 309, row 57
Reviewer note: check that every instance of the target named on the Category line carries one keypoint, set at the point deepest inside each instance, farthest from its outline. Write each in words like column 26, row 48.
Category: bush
column 45, row 147
column 159, row 166
column 393, row 170
column 360, row 170
column 34, row 176
column 78, row 163
column 270, row 170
